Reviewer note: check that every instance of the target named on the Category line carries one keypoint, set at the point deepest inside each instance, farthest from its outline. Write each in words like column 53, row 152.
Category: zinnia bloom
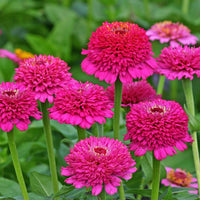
column 96, row 162
column 134, row 92
column 157, row 126
column 171, row 32
column 81, row 104
column 16, row 57
column 44, row 75
column 180, row 62
column 180, row 178
column 17, row 104
column 119, row 49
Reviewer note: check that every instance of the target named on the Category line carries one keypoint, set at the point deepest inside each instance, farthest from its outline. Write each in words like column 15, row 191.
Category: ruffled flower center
column 180, row 178
column 10, row 93
column 120, row 29
column 158, row 110
column 100, row 150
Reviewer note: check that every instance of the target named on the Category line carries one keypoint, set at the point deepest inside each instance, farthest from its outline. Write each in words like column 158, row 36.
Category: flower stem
column 100, row 130
column 187, row 87
column 156, row 179
column 117, row 107
column 50, row 148
column 185, row 6
column 161, row 85
column 116, row 119
column 16, row 163
column 102, row 195
column 121, row 192
column 81, row 133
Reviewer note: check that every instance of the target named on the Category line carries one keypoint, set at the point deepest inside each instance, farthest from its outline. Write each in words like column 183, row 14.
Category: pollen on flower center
column 10, row 93
column 157, row 109
column 180, row 175
column 100, row 150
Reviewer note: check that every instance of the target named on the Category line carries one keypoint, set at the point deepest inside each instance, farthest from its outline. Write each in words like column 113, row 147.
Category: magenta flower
column 7, row 54
column 180, row 178
column 134, row 92
column 81, row 104
column 119, row 49
column 96, row 162
column 44, row 75
column 157, row 126
column 17, row 104
column 16, row 57
column 171, row 32
column 180, row 62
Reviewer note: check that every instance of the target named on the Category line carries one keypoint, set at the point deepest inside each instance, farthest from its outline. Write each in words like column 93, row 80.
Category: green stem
column 146, row 8
column 161, row 85
column 100, row 130
column 81, row 133
column 50, row 148
column 117, row 107
column 156, row 179
column 16, row 163
column 185, row 6
column 116, row 119
column 187, row 87
column 102, row 195
column 121, row 192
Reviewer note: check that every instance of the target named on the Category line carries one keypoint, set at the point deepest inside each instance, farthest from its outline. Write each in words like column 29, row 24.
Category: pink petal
column 97, row 189
column 110, row 189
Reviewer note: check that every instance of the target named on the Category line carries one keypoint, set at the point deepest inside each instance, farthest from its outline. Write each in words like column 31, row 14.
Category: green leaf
column 194, row 123
column 143, row 192
column 9, row 188
column 61, row 39
column 41, row 184
column 67, row 130
column 64, row 190
column 147, row 167
column 169, row 194
column 40, row 44
column 56, row 13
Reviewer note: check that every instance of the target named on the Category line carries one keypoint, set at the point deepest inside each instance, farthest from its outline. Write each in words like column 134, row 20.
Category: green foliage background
column 62, row 28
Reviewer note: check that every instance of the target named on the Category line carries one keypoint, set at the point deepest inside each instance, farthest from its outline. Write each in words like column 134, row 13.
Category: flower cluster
column 180, row 178
column 157, row 126
column 44, row 75
column 168, row 31
column 96, row 162
column 17, row 104
column 119, row 49
column 134, row 92
column 81, row 104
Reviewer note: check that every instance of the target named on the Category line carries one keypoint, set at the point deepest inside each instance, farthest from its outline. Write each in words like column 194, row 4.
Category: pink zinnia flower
column 16, row 57
column 180, row 62
column 44, row 75
column 134, row 92
column 119, row 49
column 180, row 178
column 96, row 162
column 17, row 104
column 157, row 126
column 81, row 104
column 171, row 32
